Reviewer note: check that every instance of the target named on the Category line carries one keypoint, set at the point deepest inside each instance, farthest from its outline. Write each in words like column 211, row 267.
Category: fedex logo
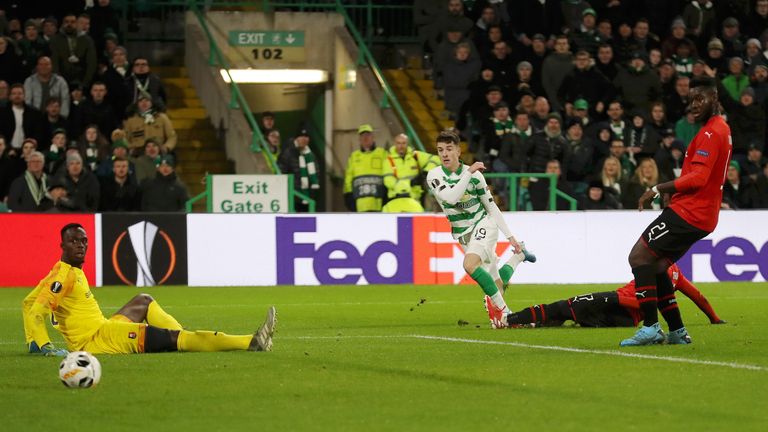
column 731, row 259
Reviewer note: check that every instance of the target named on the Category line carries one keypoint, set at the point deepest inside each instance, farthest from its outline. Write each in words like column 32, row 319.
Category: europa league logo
column 142, row 236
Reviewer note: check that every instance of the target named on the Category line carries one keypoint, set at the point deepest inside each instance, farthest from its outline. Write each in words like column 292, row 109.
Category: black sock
column 667, row 302
column 645, row 287
column 542, row 314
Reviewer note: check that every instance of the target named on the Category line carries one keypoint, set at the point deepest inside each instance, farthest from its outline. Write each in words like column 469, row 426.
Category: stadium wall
column 261, row 249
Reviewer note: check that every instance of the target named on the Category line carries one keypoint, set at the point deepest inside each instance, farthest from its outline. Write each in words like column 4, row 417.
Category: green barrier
column 554, row 192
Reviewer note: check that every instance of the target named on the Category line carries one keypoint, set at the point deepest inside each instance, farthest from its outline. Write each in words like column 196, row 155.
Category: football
column 80, row 369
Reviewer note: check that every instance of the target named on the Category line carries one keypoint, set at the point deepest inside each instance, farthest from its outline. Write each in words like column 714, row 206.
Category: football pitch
column 401, row 358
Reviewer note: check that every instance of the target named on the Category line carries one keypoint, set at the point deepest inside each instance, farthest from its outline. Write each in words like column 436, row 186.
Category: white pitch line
column 731, row 365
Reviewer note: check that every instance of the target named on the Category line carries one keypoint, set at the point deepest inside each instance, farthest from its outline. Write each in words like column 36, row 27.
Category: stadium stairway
column 419, row 99
column 199, row 149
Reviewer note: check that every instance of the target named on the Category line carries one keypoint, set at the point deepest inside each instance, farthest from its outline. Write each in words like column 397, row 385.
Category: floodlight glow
column 275, row 76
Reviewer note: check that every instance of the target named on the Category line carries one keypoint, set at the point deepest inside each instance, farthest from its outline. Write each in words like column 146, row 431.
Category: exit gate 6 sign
column 271, row 45
column 249, row 194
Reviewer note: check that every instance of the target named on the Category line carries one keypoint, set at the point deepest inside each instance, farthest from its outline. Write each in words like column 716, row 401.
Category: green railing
column 292, row 195
column 554, row 192
column 216, row 58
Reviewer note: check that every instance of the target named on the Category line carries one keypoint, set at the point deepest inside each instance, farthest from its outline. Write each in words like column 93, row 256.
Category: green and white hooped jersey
column 465, row 214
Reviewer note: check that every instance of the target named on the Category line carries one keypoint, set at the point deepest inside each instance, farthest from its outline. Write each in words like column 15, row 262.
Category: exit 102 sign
column 258, row 38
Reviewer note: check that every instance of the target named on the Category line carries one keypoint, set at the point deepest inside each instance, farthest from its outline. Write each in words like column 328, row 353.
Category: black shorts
column 669, row 236
column 601, row 309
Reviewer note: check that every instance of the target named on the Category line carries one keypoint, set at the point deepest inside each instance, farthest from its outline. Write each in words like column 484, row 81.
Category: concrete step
column 189, row 123
column 170, row 71
column 201, row 167
column 179, row 92
column 201, row 154
column 184, row 103
column 183, row 82
column 202, row 134
column 186, row 113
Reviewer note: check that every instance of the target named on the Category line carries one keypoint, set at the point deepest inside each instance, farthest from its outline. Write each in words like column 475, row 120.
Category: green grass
column 344, row 360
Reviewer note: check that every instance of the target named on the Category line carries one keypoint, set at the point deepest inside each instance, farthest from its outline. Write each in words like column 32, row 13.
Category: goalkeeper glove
column 49, row 350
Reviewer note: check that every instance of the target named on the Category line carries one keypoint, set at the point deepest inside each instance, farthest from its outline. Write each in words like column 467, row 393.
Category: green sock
column 485, row 281
column 506, row 271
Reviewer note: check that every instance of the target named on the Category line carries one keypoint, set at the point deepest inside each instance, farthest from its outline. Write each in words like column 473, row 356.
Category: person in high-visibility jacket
column 364, row 189
column 405, row 163
column 403, row 202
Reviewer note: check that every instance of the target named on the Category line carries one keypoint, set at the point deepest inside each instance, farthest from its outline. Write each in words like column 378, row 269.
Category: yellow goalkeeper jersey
column 66, row 294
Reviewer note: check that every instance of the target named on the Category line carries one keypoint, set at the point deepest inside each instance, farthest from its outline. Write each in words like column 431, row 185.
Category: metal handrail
column 258, row 142
column 554, row 192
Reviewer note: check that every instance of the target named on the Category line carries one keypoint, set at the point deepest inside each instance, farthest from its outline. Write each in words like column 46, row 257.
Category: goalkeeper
column 140, row 326
column 618, row 308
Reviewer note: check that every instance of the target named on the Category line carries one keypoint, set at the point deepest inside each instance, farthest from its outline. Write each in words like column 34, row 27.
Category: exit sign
column 257, row 38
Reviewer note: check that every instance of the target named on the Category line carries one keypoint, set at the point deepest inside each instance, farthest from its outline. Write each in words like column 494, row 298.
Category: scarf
column 36, row 190
column 308, row 171
column 503, row 127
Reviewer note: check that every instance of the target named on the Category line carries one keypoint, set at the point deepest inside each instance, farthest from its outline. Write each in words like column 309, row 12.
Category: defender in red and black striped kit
column 691, row 215
column 618, row 308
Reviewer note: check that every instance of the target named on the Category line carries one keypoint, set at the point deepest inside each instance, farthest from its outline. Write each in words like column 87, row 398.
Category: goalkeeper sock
column 157, row 317
column 211, row 341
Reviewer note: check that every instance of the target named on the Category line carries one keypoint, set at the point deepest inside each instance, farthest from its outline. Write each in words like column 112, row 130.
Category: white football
column 80, row 369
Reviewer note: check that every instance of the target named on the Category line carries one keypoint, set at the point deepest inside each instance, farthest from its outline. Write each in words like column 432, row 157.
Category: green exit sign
column 257, row 38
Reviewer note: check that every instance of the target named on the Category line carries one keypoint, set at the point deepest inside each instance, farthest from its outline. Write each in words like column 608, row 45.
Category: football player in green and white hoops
column 475, row 222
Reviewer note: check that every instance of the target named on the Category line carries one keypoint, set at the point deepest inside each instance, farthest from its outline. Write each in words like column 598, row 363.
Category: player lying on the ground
column 475, row 221
column 618, row 308
column 139, row 326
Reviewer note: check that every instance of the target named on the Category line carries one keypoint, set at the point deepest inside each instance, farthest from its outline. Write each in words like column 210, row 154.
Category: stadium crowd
column 82, row 128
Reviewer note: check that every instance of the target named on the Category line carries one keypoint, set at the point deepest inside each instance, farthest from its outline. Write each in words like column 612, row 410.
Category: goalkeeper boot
column 262, row 339
column 645, row 336
column 497, row 316
column 529, row 256
column 679, row 337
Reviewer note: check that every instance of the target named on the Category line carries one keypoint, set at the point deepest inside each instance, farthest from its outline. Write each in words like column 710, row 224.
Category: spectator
column 27, row 192
column 666, row 72
column 598, row 199
column 446, row 52
column 585, row 82
column 714, row 57
column 485, row 41
column 615, row 121
column 580, row 112
column 502, row 63
column 624, row 45
column 481, row 112
column 733, row 44
column 114, row 78
column 463, row 69
column 641, row 140
column 582, row 151
column 536, row 53
column 654, row 59
column 165, row 192
column 146, row 123
column 626, row 163
column 57, row 152
column 408, row 165
column 119, row 192
column 363, row 182
column 754, row 55
column 536, row 16
column 760, row 84
column 739, row 192
column 612, row 175
column 82, row 185
column 11, row 69
column 549, row 144
column 98, row 111
column 573, row 14
column 699, row 18
column 83, row 24
column 144, row 82
column 541, row 111
column 298, row 159
column 19, row 120
column 676, row 37
column 500, row 12
column 658, row 121
column 59, row 201
column 526, row 82
column 646, row 176
column 747, row 121
column 74, row 56
column 104, row 19
column 683, row 58
column 736, row 81
column 43, row 85
column 425, row 16
column 75, row 120
column 637, row 84
column 686, row 128
column 402, row 200
column 605, row 63
column 120, row 150
column 50, row 28
column 273, row 141
column 757, row 22
column 539, row 189
column 487, row 21
column 93, row 147
column 677, row 102
column 642, row 36
column 586, row 37
column 32, row 46
column 146, row 164
column 762, row 187
column 753, row 165
column 496, row 131
column 53, row 119
column 513, row 152
column 453, row 19
column 8, row 168
column 601, row 135
column 267, row 122
column 554, row 70
column 669, row 156
column 3, row 94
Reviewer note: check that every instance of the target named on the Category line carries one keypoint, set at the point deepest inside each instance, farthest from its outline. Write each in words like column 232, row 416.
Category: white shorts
column 482, row 242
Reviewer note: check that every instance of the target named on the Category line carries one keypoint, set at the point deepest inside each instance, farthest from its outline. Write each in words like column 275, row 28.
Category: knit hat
column 678, row 22
column 580, row 104
column 304, row 132
column 500, row 105
column 756, row 42
column 667, row 132
column 54, row 183
column 554, row 115
column 589, row 11
column 539, row 37
column 715, row 43
column 492, row 89
column 735, row 164
column 59, row 131
column 524, row 64
column 730, row 22
column 748, row 91
column 167, row 160
column 120, row 143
